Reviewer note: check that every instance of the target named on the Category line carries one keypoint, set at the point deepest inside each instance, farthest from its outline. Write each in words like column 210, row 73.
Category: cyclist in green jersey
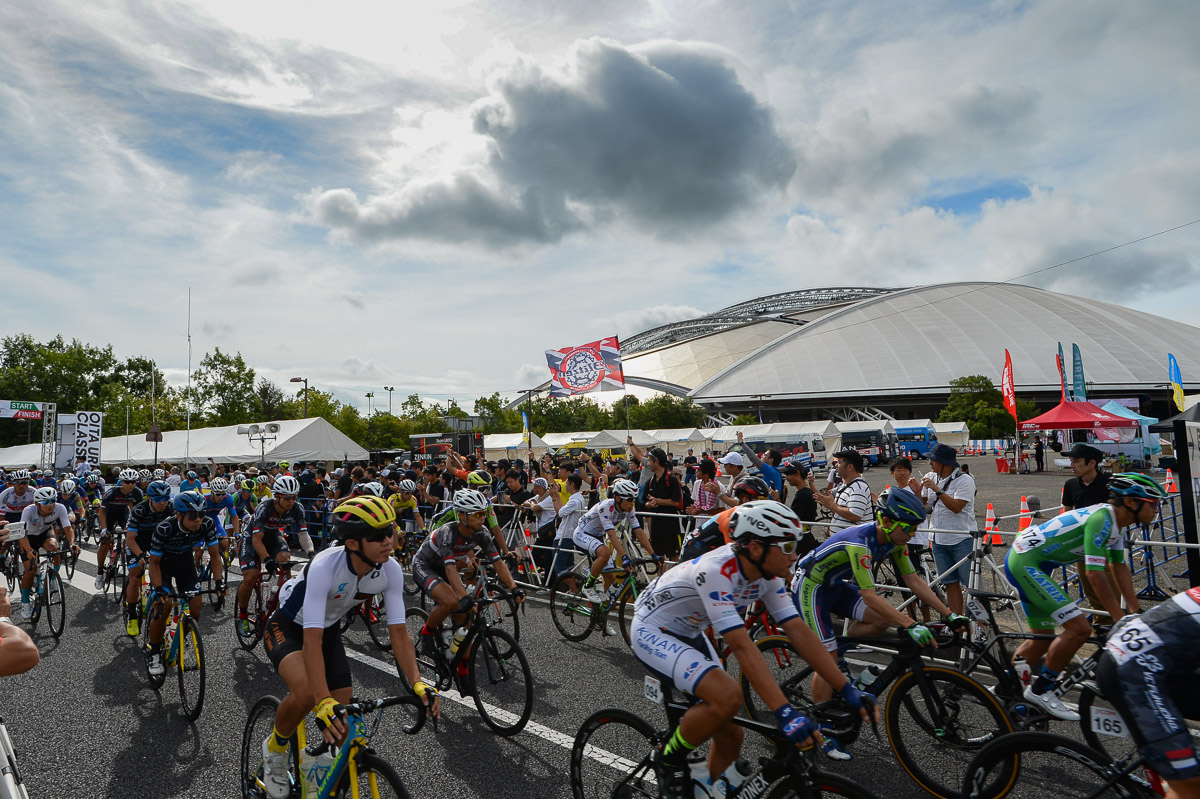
column 480, row 481
column 1095, row 536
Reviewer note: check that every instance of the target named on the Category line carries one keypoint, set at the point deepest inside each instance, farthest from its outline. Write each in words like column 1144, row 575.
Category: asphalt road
column 86, row 723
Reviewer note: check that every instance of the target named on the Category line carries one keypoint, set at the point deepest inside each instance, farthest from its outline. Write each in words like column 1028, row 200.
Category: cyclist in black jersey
column 114, row 510
column 139, row 531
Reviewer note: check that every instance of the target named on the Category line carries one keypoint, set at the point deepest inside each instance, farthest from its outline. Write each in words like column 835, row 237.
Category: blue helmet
column 903, row 506
column 189, row 500
column 1138, row 486
column 159, row 491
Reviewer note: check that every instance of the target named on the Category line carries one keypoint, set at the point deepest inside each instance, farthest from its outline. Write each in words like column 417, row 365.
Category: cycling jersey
column 171, row 540
column 190, row 485
column 143, row 520
column 91, row 493
column 37, row 525
column 12, row 502
column 214, row 506
column 401, row 506
column 445, row 545
column 73, row 503
column 261, row 492
column 849, row 555
column 601, row 518
column 714, row 532
column 328, row 589
column 245, row 505
column 116, row 504
column 269, row 519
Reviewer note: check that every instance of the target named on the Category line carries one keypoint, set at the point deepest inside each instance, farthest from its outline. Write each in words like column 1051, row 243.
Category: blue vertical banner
column 1079, row 391
column 1176, row 378
column 525, row 428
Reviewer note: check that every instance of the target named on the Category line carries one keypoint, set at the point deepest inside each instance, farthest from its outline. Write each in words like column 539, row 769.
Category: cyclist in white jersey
column 302, row 638
column 596, row 534
column 675, row 611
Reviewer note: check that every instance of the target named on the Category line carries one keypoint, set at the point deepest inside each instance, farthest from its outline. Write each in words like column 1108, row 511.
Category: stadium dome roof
column 913, row 342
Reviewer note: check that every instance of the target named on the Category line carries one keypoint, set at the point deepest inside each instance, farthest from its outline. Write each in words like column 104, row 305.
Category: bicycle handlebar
column 362, row 706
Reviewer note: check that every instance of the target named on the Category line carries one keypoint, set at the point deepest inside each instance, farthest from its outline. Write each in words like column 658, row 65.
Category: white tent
column 297, row 440
column 22, row 456
column 614, row 439
column 512, row 445
column 556, row 440
column 677, row 440
column 727, row 435
column 955, row 434
column 885, row 425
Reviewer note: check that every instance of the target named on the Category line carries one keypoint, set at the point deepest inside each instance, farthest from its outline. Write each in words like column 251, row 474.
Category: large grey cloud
column 663, row 136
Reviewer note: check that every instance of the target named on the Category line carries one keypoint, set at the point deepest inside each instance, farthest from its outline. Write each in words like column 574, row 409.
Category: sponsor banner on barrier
column 17, row 409
column 89, row 429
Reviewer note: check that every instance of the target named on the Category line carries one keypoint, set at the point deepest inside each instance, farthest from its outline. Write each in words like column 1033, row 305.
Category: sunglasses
column 286, row 497
column 48, row 502
column 480, row 515
column 379, row 536
column 22, row 482
column 129, row 482
column 192, row 515
column 788, row 547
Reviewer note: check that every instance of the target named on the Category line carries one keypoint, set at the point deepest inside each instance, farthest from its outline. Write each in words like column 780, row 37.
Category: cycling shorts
column 817, row 602
column 180, row 570
column 283, row 637
column 1042, row 598
column 679, row 662
column 588, row 543
column 133, row 562
column 37, row 542
column 248, row 556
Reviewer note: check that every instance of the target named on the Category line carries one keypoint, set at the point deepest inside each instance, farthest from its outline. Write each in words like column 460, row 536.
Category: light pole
column 303, row 380
column 389, row 390
column 370, row 396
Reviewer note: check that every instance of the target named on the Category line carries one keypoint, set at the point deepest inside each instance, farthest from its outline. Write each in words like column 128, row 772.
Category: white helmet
column 624, row 489
column 45, row 494
column 20, row 474
column 468, row 500
column 68, row 486
column 286, row 484
column 218, row 485
column 159, row 474
column 371, row 488
column 145, row 475
column 262, row 479
column 765, row 520
column 407, row 486
column 128, row 474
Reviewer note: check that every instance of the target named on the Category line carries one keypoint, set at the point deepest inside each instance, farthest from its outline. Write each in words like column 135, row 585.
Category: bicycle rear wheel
column 115, row 574
column 375, row 778
column 377, row 623
column 69, row 560
column 1040, row 764
column 1105, row 730
column 260, row 722
column 937, row 728
column 625, row 609
column 249, row 634
column 12, row 567
column 189, row 664
column 572, row 614
column 502, row 683
column 611, row 757
column 56, row 602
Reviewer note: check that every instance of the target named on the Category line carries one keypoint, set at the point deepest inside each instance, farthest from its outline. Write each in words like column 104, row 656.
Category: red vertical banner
column 1007, row 389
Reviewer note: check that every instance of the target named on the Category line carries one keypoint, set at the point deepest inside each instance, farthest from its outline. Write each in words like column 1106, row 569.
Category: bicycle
column 374, row 615
column 1039, row 764
column 12, row 565
column 258, row 611
column 489, row 666
column 356, row 762
column 12, row 786
column 613, row 756
column 50, row 594
column 115, row 570
column 182, row 651
column 575, row 616
column 935, row 717
column 209, row 580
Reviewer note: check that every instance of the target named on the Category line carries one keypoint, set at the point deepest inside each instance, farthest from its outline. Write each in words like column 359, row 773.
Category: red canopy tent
column 1076, row 416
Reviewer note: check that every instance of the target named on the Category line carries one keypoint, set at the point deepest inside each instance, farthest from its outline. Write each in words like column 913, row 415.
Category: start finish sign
column 15, row 409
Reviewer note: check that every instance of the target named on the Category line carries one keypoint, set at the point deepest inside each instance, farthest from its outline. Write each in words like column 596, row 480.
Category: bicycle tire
column 1031, row 763
column 69, row 560
column 387, row 782
column 414, row 620
column 217, row 600
column 247, row 640
column 790, row 671
column 114, row 579
column 1115, row 748
column 347, row 620
column 819, row 784
column 611, row 756
column 504, row 705
column 939, row 768
column 56, row 603
column 12, row 564
column 625, row 609
column 260, row 722
column 377, row 623
column 573, row 616
column 189, row 665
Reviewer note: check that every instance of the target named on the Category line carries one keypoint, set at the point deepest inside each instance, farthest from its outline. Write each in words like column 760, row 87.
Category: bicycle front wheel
column 56, row 602
column 1039, row 764
column 1104, row 729
column 376, row 780
column 937, row 722
column 260, row 723
column 819, row 784
column 115, row 581
column 69, row 560
column 790, row 671
column 250, row 629
column 571, row 612
column 190, row 666
column 501, row 681
column 611, row 757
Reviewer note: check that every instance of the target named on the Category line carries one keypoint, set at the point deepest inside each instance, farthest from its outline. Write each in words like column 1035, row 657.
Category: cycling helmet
column 286, row 484
column 20, row 474
column 247, row 485
column 93, row 476
column 188, row 501
column 159, row 474
column 262, row 479
column 284, row 465
column 479, row 478
column 468, row 500
column 1138, row 486
column 238, row 477
column 45, row 494
column 144, row 475
column 753, row 485
column 764, row 520
column 36, row 473
column 903, row 506
column 128, row 474
column 68, row 486
column 360, row 516
column 407, row 486
column 624, row 489
column 159, row 491
column 375, row 489
column 191, row 475
column 218, row 485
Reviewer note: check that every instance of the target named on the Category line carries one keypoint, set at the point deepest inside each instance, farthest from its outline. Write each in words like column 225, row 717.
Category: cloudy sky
column 428, row 195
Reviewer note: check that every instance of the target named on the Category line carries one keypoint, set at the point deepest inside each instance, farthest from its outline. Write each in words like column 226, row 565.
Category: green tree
column 974, row 399
column 568, row 415
column 494, row 416
column 272, row 403
column 223, row 387
column 746, row 418
column 665, row 411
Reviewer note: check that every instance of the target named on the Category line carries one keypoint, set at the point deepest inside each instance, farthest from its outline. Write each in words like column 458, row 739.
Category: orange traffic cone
column 990, row 526
column 1026, row 516
column 1171, row 487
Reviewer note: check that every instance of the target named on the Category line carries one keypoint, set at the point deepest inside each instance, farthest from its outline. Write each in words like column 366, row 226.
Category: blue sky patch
column 970, row 200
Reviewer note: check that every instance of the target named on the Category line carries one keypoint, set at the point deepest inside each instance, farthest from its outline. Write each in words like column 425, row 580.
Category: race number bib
column 1132, row 639
column 1107, row 721
column 1029, row 540
column 653, row 690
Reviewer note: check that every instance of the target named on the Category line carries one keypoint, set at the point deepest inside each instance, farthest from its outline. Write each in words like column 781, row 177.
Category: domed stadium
column 864, row 352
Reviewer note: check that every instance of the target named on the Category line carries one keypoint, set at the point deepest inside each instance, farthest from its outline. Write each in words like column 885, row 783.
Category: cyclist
column 596, row 534
column 404, row 503
column 836, row 578
column 114, row 511
column 217, row 502
column 674, row 612
column 262, row 487
column 714, row 532
column 17, row 496
column 192, row 483
column 1096, row 536
column 171, row 560
column 71, row 498
column 144, row 518
column 266, row 539
column 435, row 566
column 93, row 486
column 302, row 637
column 1148, row 671
column 144, row 478
column 245, row 502
column 41, row 518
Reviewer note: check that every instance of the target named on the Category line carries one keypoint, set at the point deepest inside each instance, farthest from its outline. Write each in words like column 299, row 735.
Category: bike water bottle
column 1023, row 671
column 315, row 761
column 456, row 642
column 729, row 783
column 612, row 592
column 867, row 677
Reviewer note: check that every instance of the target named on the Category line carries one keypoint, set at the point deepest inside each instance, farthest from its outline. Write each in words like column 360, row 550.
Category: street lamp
column 370, row 396
column 303, row 380
column 389, row 390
